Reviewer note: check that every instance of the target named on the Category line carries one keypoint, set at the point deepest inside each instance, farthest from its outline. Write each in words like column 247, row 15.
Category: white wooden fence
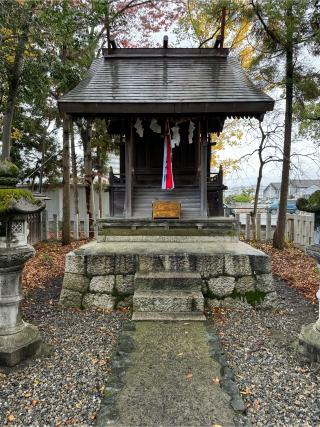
column 41, row 228
column 299, row 228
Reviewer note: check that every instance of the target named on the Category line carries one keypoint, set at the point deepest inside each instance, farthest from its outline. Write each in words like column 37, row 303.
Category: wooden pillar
column 128, row 172
column 203, row 170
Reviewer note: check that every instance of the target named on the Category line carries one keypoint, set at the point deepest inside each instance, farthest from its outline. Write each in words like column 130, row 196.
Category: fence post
column 76, row 227
column 44, row 225
column 258, row 227
column 55, row 227
column 247, row 232
column 86, row 227
column 96, row 230
column 268, row 226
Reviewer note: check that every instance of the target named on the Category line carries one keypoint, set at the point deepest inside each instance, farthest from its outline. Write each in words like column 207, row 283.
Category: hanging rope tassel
column 167, row 175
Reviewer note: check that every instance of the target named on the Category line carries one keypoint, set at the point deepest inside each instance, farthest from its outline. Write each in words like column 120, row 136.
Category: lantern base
column 309, row 342
column 14, row 348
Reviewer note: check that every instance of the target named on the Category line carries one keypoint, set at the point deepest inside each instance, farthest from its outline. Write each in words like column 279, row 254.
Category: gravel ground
column 66, row 387
column 278, row 388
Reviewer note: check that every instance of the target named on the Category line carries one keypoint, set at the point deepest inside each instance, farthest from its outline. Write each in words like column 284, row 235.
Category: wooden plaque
column 162, row 209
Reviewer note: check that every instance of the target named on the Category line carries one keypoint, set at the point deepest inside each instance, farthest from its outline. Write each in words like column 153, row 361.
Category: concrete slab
column 198, row 247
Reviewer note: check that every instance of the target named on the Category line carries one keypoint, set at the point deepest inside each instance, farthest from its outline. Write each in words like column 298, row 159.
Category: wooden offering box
column 162, row 209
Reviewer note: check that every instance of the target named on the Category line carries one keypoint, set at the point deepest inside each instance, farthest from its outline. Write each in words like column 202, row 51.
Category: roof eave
column 228, row 108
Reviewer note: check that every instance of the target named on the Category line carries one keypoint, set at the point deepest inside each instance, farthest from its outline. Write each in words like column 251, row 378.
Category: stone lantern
column 18, row 339
column 309, row 338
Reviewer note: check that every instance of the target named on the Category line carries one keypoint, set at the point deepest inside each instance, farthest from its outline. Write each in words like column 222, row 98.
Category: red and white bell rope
column 167, row 175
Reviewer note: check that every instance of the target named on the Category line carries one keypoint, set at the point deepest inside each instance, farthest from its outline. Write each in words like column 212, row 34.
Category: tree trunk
column 279, row 234
column 99, row 163
column 258, row 185
column 14, row 81
column 43, row 151
column 255, row 204
column 74, row 172
column 66, row 183
column 86, row 134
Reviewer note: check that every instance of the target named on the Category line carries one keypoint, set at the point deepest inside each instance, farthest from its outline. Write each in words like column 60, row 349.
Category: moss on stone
column 10, row 196
column 251, row 297
column 8, row 169
column 311, row 204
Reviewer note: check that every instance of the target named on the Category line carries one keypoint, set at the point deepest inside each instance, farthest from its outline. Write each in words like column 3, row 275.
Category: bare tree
column 268, row 151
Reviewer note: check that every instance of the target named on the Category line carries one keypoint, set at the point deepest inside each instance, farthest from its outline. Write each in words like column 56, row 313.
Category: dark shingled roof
column 182, row 81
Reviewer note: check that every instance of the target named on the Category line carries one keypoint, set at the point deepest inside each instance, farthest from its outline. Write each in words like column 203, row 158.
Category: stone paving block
column 260, row 264
column 102, row 284
column 76, row 282
column 75, row 263
column 99, row 300
column 168, row 302
column 180, row 263
column 245, row 284
column 70, row 298
column 265, row 283
column 235, row 303
column 125, row 264
column 237, row 265
column 270, row 301
column 99, row 265
column 221, row 286
column 150, row 263
column 125, row 283
column 210, row 266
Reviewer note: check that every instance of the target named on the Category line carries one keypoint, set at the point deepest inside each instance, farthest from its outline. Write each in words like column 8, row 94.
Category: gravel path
column 65, row 388
column 279, row 390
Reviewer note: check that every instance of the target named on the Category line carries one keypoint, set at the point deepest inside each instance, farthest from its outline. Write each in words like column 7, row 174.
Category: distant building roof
column 297, row 183
column 166, row 81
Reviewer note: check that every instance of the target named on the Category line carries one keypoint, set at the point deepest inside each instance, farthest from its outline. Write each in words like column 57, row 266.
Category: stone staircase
column 168, row 295
column 142, row 199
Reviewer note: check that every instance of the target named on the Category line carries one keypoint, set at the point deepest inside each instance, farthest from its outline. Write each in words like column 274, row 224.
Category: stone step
column 167, row 280
column 158, row 316
column 168, row 301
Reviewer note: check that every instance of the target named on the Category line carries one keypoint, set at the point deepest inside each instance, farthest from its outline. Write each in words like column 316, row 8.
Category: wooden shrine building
column 166, row 246
column 140, row 92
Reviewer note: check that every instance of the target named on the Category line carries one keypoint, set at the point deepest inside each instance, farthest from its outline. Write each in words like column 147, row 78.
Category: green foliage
column 246, row 196
column 311, row 204
column 63, row 39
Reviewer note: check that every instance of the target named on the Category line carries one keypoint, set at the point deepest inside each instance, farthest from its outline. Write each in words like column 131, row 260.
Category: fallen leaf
column 10, row 418
column 180, row 354
column 34, row 402
column 215, row 380
column 189, row 375
column 246, row 392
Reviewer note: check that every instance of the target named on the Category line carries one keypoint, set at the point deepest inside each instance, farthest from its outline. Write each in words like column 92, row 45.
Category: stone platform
column 167, row 277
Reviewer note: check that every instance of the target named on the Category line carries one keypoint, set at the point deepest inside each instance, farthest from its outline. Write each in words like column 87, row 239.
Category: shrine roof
column 166, row 81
